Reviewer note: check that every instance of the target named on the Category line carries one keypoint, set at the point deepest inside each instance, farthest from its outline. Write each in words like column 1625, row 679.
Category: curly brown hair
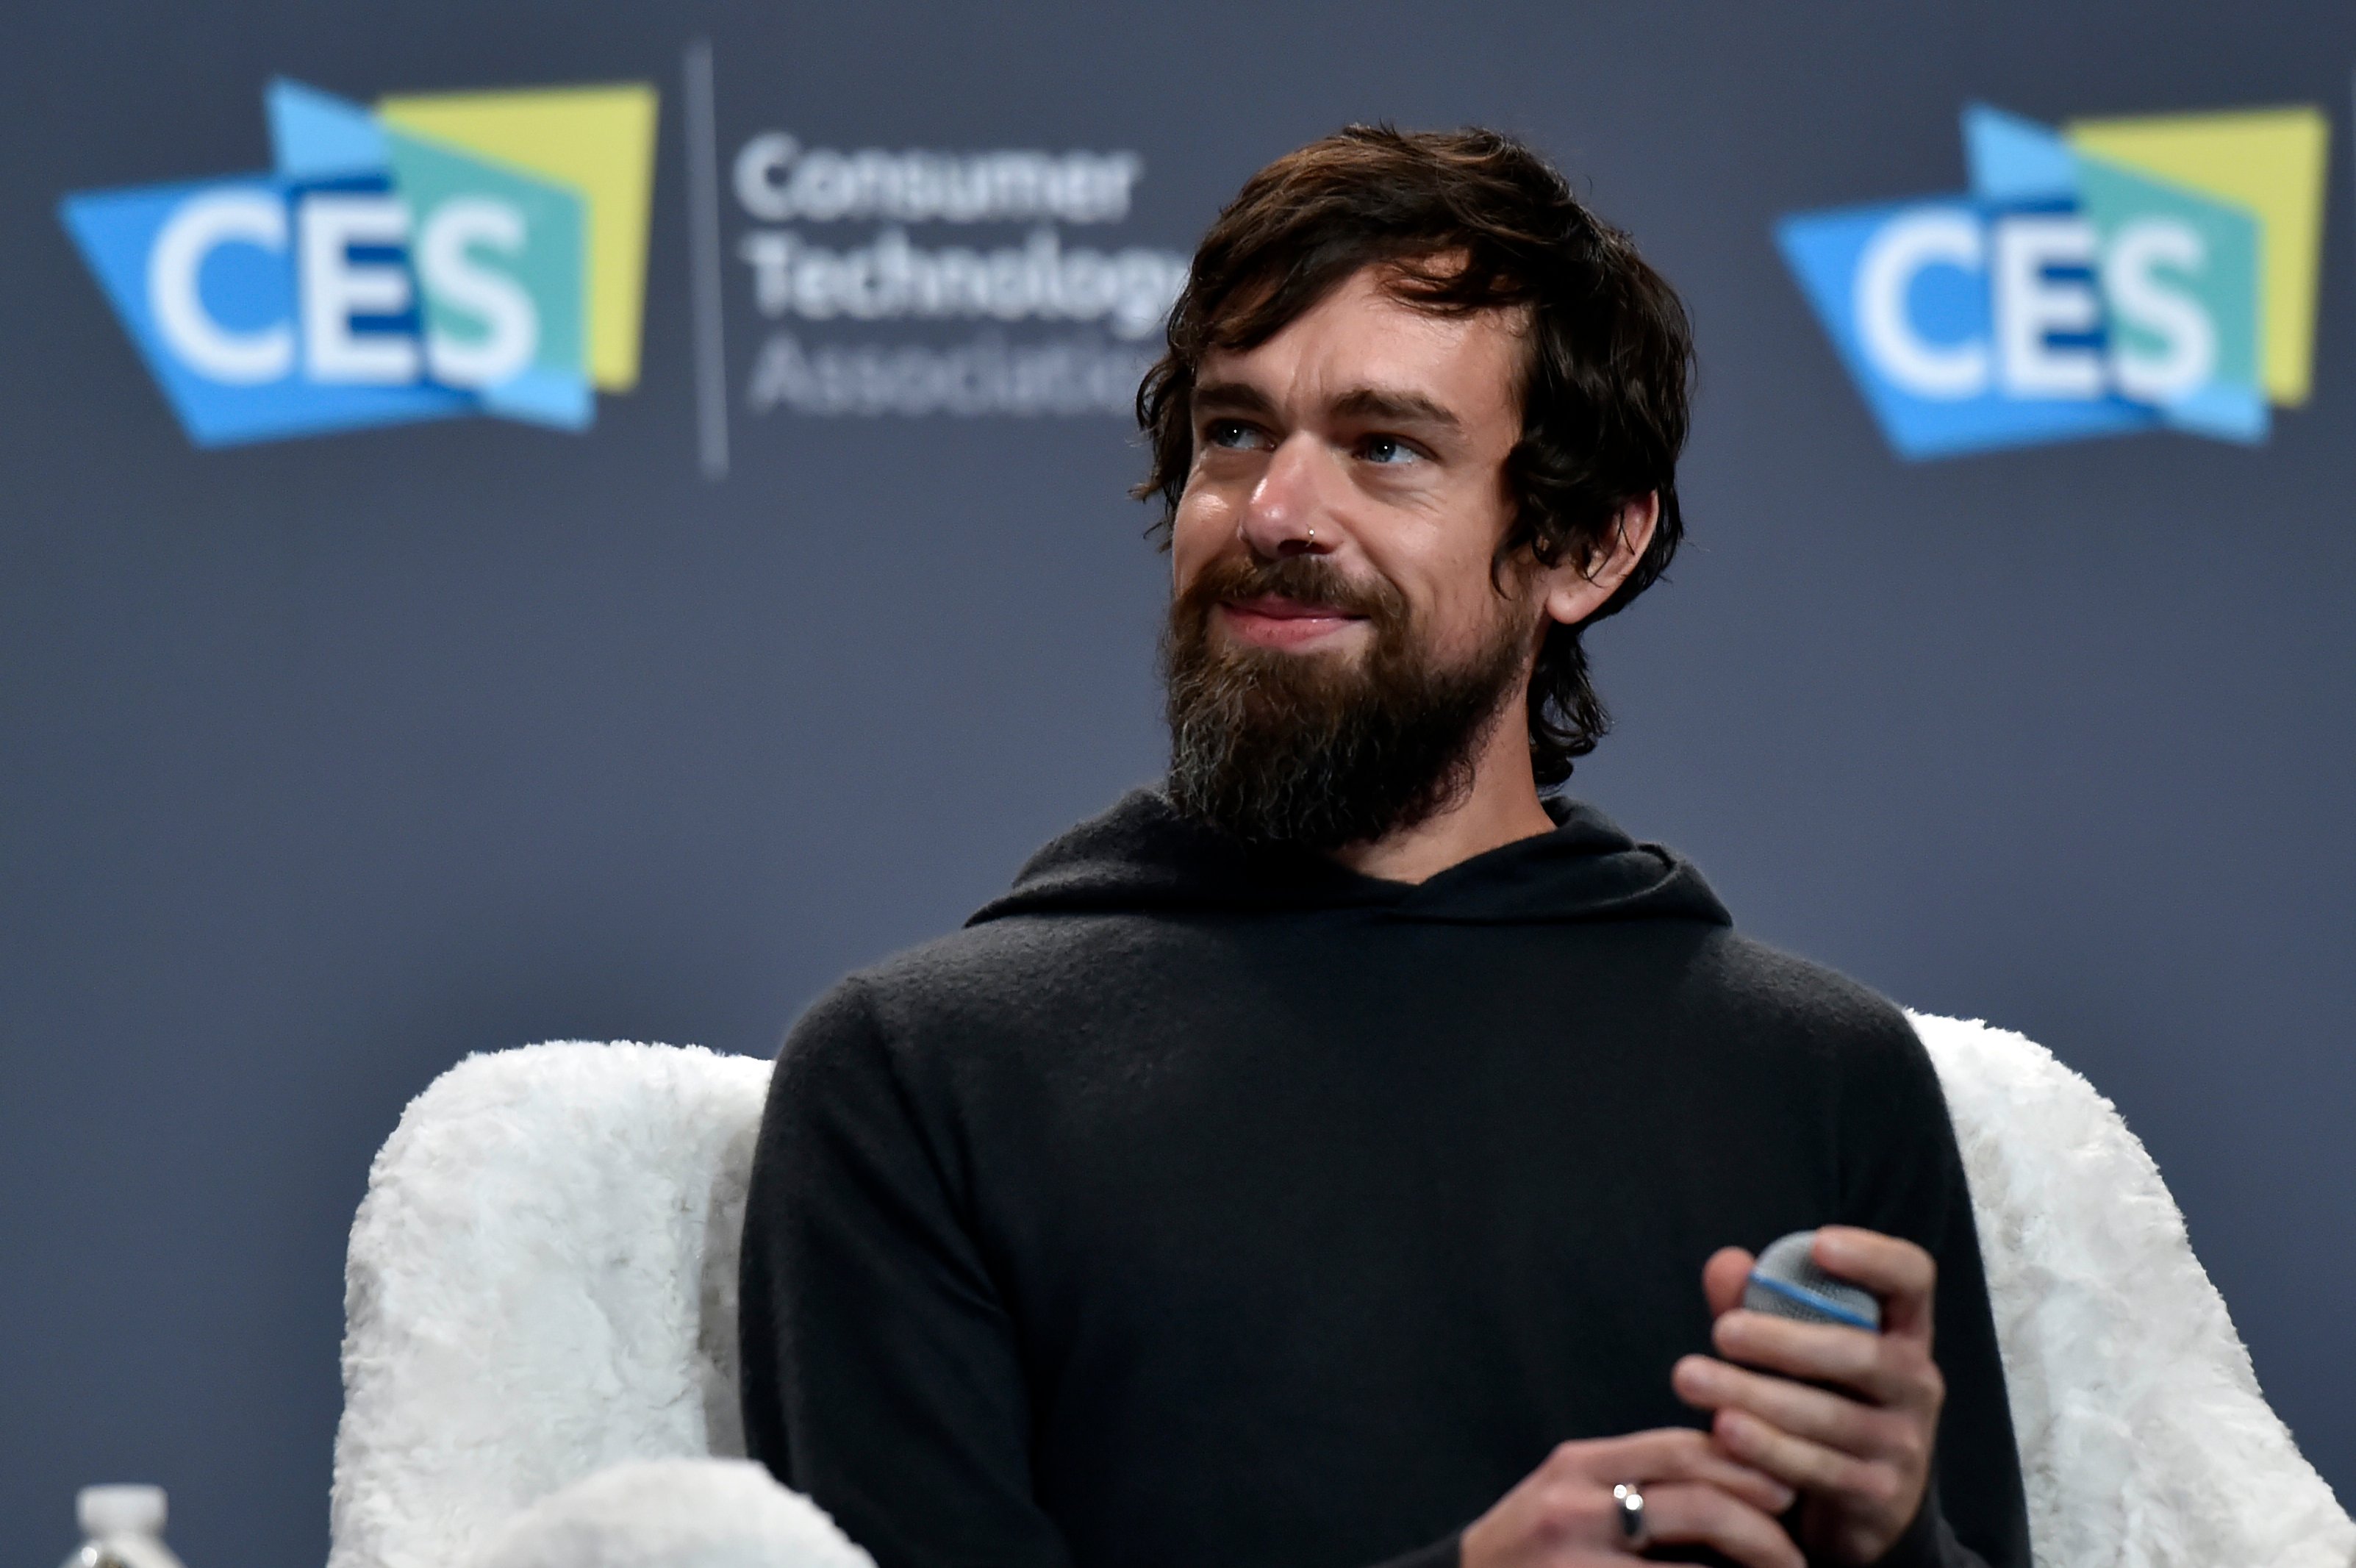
column 1462, row 221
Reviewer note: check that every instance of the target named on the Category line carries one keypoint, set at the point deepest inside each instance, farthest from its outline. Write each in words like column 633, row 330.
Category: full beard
column 1320, row 750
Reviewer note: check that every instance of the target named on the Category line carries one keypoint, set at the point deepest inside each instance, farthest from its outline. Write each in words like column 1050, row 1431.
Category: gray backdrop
column 327, row 762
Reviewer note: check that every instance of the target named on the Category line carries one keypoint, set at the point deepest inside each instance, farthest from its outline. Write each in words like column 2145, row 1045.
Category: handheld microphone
column 1786, row 1282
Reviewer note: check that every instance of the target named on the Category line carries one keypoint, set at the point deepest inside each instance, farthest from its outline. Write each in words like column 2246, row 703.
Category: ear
column 1576, row 590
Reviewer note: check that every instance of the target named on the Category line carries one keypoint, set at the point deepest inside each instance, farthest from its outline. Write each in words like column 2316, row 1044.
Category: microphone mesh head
column 1786, row 1282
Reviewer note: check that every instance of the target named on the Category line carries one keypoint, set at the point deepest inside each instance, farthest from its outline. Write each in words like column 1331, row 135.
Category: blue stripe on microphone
column 1814, row 1302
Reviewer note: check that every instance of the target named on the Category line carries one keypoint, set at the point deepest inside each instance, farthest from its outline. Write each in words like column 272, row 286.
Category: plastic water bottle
column 125, row 1528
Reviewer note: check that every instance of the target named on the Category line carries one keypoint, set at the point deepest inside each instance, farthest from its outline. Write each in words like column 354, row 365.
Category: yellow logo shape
column 2269, row 163
column 597, row 141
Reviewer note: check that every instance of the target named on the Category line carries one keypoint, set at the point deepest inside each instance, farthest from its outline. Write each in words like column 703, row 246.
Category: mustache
column 1305, row 579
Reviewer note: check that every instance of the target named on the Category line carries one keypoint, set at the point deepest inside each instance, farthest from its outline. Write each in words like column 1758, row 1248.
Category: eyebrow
column 1398, row 407
column 1232, row 397
column 1388, row 404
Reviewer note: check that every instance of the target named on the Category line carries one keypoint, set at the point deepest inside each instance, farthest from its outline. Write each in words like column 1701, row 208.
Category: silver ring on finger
column 1630, row 1503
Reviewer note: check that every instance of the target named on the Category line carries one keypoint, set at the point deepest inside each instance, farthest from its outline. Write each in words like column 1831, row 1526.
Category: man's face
column 1338, row 643
column 1385, row 431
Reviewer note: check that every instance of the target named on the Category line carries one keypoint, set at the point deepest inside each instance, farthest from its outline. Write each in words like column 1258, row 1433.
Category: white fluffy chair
column 542, row 1298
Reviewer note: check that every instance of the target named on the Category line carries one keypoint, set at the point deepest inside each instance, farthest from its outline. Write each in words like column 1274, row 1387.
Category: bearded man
column 1345, row 1153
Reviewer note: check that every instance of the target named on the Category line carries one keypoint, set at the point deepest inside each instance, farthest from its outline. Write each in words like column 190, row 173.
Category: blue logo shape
column 203, row 276
column 392, row 267
column 2067, row 295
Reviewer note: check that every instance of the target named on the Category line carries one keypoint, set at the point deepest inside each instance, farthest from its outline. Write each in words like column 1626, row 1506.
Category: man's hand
column 1564, row 1516
column 1859, row 1451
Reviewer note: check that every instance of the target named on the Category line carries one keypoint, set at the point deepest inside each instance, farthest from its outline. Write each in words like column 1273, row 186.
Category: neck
column 1501, row 807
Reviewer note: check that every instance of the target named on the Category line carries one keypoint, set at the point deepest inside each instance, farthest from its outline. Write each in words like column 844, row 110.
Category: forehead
column 1361, row 335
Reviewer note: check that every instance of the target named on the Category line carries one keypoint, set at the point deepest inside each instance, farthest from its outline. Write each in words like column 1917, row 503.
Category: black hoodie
column 1205, row 1208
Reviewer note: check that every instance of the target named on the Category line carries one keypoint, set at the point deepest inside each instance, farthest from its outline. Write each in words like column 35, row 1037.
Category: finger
column 1885, row 1371
column 1723, row 1277
column 1865, row 1431
column 1901, row 1274
column 1799, row 1461
column 1683, row 1514
column 1669, row 1454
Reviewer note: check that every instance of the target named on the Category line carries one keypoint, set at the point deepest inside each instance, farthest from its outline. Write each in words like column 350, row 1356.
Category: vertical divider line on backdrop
column 703, row 256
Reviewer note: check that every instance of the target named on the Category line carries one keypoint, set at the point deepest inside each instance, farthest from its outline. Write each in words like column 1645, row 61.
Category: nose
column 1286, row 513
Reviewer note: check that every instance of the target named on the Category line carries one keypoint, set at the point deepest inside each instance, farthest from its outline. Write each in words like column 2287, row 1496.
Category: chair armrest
column 673, row 1513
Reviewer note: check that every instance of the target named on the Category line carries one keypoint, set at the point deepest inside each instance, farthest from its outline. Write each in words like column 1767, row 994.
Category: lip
column 1273, row 621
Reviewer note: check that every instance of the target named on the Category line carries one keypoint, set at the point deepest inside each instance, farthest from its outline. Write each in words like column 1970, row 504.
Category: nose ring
column 1313, row 536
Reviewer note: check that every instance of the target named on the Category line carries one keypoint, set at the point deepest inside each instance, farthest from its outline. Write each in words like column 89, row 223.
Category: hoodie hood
column 1142, row 858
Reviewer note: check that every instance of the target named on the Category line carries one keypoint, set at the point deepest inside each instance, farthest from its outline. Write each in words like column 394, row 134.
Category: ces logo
column 441, row 255
column 2117, row 275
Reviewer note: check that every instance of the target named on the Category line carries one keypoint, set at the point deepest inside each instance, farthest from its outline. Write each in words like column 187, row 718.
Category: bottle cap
column 120, row 1510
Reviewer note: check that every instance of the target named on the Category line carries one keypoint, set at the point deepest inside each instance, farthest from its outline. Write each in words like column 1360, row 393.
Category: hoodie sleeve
column 1901, row 1174
column 880, row 1371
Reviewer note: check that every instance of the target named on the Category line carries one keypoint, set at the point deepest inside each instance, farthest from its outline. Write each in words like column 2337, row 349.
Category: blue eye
column 1230, row 432
column 1388, row 449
